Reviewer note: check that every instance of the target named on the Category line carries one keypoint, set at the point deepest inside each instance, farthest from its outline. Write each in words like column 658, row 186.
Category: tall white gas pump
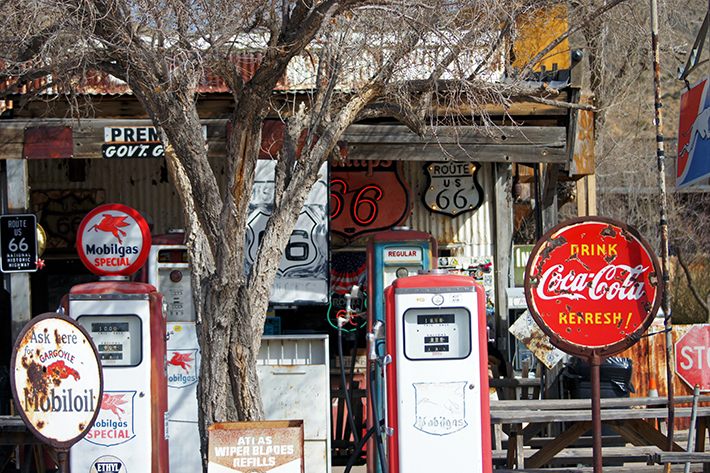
column 127, row 324
column 437, row 384
column 167, row 269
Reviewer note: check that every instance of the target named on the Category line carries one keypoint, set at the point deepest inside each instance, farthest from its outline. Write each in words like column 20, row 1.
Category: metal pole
column 665, row 301
column 594, row 373
column 63, row 456
column 693, row 420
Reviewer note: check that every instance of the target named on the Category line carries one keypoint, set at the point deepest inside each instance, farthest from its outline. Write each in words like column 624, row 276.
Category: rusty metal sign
column 530, row 335
column 56, row 380
column 256, row 447
column 593, row 286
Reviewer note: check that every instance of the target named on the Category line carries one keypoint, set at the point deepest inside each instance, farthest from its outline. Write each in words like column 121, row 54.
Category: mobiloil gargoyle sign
column 56, row 380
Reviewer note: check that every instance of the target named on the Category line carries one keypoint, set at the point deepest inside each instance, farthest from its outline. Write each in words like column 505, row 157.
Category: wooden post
column 18, row 202
column 503, row 180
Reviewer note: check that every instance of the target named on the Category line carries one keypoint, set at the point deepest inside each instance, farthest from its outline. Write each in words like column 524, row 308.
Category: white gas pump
column 437, row 384
column 127, row 324
column 167, row 269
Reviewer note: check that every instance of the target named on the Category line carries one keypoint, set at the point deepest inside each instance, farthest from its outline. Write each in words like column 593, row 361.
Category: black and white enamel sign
column 18, row 239
column 303, row 276
column 452, row 188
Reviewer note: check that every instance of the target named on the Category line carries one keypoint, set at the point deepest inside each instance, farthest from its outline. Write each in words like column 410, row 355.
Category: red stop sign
column 692, row 357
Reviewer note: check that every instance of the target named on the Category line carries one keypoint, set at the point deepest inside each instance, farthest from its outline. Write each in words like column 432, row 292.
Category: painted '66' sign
column 453, row 188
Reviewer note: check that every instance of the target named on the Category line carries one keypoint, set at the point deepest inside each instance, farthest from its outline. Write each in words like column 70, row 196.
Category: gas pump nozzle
column 353, row 294
column 378, row 333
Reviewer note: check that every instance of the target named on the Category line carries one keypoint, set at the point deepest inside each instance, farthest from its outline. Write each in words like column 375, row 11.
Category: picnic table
column 15, row 434
column 637, row 421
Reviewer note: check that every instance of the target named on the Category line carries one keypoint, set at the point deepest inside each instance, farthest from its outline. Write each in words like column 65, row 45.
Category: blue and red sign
column 693, row 163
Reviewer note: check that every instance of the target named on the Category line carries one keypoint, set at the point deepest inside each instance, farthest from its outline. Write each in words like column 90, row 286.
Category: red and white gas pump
column 437, row 401
column 127, row 323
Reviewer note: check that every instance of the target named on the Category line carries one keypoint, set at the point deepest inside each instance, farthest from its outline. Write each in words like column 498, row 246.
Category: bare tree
column 425, row 63
column 621, row 79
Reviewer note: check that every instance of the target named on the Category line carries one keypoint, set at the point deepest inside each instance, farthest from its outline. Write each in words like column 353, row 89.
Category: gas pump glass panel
column 117, row 338
column 174, row 284
column 437, row 333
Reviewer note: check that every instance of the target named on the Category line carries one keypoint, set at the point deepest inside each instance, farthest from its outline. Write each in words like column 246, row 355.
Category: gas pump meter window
column 117, row 338
column 437, row 333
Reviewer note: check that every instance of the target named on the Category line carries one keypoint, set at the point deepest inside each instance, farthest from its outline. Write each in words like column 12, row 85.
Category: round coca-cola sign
column 113, row 239
column 593, row 285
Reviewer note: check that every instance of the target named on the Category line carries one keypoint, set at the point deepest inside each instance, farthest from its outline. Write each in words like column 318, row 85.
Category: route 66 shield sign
column 452, row 188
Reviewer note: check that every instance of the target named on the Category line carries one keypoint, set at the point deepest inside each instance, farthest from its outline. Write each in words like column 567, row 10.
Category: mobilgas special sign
column 113, row 239
column 56, row 379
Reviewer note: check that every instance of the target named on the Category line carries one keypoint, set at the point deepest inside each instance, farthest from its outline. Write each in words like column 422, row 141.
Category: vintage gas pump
column 127, row 324
column 394, row 254
column 437, row 384
column 390, row 255
column 167, row 269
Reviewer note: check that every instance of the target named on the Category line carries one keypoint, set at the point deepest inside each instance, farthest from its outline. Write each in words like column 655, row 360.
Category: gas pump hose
column 351, row 419
column 376, row 419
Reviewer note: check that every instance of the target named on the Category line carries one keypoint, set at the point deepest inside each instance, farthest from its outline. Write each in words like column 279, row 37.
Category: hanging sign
column 453, row 188
column 593, row 285
column 693, row 164
column 56, row 379
column 113, row 240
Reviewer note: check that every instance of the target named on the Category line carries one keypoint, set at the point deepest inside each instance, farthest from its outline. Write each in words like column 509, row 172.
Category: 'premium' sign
column 593, row 283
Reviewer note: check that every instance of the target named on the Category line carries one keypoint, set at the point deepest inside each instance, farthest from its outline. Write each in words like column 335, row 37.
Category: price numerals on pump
column 18, row 243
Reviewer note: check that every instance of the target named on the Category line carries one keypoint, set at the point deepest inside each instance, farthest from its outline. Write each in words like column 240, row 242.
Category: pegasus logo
column 111, row 225
column 699, row 130
column 60, row 370
column 112, row 402
column 181, row 360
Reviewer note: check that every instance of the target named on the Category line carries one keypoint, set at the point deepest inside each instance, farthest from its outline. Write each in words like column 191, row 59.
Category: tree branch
column 691, row 285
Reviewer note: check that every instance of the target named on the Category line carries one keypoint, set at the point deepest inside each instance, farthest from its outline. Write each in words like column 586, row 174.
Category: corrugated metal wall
column 143, row 184
column 138, row 183
column 469, row 234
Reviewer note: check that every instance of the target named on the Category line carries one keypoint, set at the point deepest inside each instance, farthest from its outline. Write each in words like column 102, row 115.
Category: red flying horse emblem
column 111, row 402
column 59, row 370
column 111, row 224
column 181, row 359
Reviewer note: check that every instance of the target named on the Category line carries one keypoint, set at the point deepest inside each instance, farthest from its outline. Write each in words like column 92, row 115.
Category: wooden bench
column 625, row 416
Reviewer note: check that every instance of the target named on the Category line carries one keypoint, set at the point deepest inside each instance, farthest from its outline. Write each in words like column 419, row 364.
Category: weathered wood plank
column 681, row 457
column 573, row 404
column 514, row 383
column 510, row 135
column 637, row 468
column 479, row 153
column 550, row 450
column 368, row 142
column 586, row 415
